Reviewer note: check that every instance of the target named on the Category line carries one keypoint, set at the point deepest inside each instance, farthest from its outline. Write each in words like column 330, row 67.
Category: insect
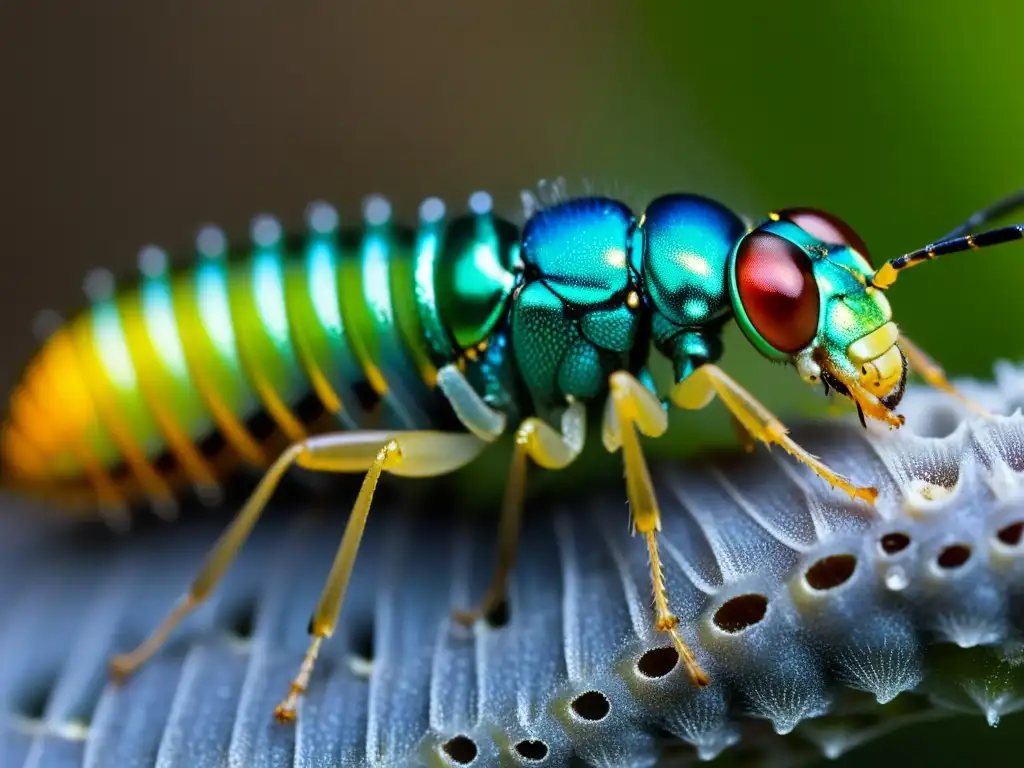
column 379, row 348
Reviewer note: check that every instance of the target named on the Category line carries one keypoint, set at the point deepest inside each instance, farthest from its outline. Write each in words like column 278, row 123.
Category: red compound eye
column 776, row 286
column 826, row 227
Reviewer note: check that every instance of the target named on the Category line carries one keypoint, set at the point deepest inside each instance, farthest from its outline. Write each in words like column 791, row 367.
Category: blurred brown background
column 126, row 123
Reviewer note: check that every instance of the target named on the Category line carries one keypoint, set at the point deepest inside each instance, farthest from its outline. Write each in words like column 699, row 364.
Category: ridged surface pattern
column 822, row 623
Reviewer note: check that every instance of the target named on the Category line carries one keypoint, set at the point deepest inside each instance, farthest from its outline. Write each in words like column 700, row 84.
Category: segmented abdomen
column 177, row 379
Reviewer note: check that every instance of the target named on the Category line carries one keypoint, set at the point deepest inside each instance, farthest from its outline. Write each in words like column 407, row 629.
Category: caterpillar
column 385, row 349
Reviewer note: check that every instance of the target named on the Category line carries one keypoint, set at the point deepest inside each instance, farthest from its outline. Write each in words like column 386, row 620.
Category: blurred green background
column 127, row 123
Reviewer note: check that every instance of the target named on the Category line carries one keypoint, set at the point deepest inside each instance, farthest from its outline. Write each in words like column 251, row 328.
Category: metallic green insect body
column 390, row 350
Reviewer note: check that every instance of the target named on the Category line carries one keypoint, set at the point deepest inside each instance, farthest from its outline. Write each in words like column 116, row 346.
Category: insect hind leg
column 410, row 454
column 632, row 408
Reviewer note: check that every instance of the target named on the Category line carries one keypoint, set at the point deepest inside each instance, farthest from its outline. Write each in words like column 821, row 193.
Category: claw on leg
column 700, row 387
column 921, row 362
column 633, row 407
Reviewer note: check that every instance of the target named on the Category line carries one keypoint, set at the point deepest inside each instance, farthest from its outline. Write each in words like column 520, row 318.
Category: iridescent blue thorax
column 591, row 297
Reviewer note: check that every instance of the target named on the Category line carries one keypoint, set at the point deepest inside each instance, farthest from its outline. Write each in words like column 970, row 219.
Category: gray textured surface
column 902, row 639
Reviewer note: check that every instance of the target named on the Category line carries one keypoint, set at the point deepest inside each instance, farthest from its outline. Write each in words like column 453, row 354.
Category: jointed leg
column 536, row 440
column 700, row 387
column 401, row 453
column 633, row 407
column 475, row 415
column 930, row 371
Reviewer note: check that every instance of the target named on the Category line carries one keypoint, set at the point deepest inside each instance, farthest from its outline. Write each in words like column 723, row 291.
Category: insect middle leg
column 536, row 440
column 921, row 362
column 632, row 408
column 699, row 388
column 410, row 454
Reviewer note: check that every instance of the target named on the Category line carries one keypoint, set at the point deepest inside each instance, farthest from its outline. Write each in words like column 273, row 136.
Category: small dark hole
column 461, row 749
column 592, row 705
column 894, row 542
column 362, row 642
column 532, row 749
column 954, row 556
column 499, row 615
column 33, row 704
column 242, row 622
column 741, row 612
column 831, row 571
column 658, row 662
column 1012, row 534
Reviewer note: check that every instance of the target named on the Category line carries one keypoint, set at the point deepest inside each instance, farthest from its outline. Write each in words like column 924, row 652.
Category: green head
column 801, row 289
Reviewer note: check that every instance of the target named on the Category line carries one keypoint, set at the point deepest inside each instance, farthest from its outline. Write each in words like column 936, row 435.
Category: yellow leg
column 633, row 407
column 411, row 454
column 931, row 372
column 700, row 387
column 534, row 439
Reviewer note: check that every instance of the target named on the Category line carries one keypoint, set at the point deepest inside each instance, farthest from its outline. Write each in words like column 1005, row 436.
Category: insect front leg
column 700, row 387
column 631, row 408
column 537, row 440
column 922, row 363
column 410, row 454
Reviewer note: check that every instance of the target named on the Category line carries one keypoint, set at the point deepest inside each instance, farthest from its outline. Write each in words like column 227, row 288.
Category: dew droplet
column 896, row 578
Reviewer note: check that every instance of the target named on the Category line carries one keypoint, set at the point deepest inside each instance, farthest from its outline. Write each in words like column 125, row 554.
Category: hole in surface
column 943, row 422
column 741, row 612
column 499, row 616
column 460, row 749
column 592, row 705
column 954, row 556
column 242, row 621
column 658, row 662
column 362, row 643
column 1011, row 534
column 33, row 703
column 830, row 572
column 533, row 750
column 894, row 542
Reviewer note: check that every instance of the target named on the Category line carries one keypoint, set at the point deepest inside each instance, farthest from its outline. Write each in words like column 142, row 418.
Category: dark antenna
column 960, row 239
